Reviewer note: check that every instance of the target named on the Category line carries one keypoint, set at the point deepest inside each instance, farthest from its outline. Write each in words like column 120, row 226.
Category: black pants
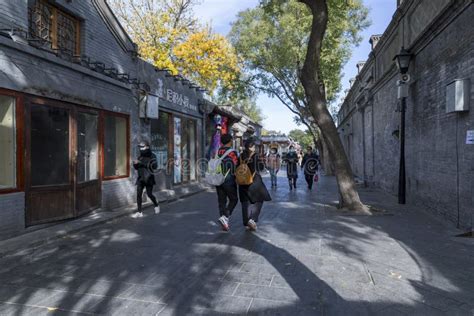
column 309, row 180
column 149, row 193
column 292, row 182
column 251, row 211
column 227, row 199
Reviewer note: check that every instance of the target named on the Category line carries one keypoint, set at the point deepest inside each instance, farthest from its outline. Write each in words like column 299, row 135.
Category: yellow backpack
column 243, row 175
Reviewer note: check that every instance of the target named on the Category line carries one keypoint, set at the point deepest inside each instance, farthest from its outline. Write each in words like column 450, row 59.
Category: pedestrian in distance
column 227, row 196
column 273, row 164
column 145, row 165
column 252, row 190
column 310, row 166
column 291, row 160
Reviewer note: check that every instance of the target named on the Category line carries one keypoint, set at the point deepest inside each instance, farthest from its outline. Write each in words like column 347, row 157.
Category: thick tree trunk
column 326, row 161
column 315, row 94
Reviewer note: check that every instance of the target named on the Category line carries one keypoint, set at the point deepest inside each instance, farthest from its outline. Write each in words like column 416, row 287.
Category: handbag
column 316, row 178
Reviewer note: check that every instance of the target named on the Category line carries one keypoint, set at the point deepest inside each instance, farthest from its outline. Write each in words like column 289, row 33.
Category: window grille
column 54, row 29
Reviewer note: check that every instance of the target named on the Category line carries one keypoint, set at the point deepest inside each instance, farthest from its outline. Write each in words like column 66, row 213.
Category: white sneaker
column 140, row 214
column 134, row 215
column 252, row 224
column 157, row 210
column 224, row 221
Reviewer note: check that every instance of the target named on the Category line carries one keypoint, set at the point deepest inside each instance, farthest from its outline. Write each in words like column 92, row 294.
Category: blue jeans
column 273, row 176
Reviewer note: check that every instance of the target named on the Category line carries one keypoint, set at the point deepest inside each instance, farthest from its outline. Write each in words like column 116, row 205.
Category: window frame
column 54, row 31
column 102, row 116
column 19, row 131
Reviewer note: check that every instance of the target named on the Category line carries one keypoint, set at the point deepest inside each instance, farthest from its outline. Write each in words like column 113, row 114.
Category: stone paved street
column 305, row 259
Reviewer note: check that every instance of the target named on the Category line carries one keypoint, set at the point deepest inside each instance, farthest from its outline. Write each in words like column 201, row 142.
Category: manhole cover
column 466, row 235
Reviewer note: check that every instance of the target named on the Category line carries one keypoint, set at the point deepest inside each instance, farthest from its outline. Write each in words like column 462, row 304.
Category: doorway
column 62, row 161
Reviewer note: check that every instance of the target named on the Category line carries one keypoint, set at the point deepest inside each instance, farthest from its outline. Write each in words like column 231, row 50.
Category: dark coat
column 310, row 164
column 257, row 191
column 146, row 167
column 291, row 160
column 229, row 164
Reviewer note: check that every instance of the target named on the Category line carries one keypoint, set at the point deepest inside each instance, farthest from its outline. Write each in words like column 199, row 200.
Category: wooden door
column 49, row 167
column 86, row 154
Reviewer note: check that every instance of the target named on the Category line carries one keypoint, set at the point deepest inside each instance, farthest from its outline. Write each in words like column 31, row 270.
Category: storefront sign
column 470, row 137
column 174, row 97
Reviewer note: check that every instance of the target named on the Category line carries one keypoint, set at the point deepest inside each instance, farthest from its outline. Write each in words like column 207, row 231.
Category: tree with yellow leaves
column 170, row 37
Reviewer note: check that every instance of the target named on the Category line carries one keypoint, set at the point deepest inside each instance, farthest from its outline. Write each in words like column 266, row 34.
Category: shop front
column 175, row 136
column 59, row 153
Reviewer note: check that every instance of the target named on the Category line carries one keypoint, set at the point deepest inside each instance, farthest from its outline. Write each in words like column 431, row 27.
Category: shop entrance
column 62, row 161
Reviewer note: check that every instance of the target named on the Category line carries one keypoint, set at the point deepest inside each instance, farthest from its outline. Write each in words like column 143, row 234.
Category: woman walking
column 310, row 166
column 273, row 164
column 145, row 165
column 252, row 190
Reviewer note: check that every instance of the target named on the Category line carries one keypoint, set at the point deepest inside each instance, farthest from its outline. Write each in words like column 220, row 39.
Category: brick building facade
column 75, row 100
column 439, row 160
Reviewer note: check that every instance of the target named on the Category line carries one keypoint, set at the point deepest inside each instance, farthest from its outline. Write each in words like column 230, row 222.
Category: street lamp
column 402, row 60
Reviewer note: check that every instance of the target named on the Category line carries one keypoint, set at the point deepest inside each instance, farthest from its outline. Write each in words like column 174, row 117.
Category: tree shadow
column 304, row 260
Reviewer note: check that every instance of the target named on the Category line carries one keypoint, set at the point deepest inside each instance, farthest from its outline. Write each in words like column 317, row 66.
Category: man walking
column 145, row 165
column 292, row 167
column 227, row 192
column 309, row 165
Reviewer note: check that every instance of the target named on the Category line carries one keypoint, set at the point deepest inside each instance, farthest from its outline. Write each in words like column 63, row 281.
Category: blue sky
column 221, row 13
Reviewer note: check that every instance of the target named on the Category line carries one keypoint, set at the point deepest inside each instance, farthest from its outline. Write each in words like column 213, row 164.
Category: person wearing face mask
column 291, row 160
column 273, row 165
column 252, row 195
column 309, row 166
column 145, row 165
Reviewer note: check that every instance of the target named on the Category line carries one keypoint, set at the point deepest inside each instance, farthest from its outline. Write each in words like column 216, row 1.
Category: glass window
column 87, row 147
column 49, row 145
column 115, row 146
column 7, row 143
column 160, row 139
column 55, row 27
column 177, row 150
column 192, row 149
column 185, row 162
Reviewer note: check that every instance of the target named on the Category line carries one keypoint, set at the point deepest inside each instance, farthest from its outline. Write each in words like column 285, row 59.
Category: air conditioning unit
column 458, row 95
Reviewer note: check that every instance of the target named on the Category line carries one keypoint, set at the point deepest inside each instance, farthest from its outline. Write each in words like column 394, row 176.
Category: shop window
column 115, row 146
column 7, row 143
column 54, row 26
column 87, row 147
column 192, row 149
column 177, row 150
column 49, row 146
column 160, row 139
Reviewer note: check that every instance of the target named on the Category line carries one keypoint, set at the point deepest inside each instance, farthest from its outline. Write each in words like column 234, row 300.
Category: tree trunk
column 315, row 94
column 326, row 161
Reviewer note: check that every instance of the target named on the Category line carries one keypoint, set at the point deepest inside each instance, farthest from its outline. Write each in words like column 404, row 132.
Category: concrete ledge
column 29, row 241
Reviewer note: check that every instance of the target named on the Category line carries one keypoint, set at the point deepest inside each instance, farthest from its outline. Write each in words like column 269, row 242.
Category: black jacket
column 310, row 163
column 229, row 164
column 257, row 191
column 291, row 160
column 146, row 167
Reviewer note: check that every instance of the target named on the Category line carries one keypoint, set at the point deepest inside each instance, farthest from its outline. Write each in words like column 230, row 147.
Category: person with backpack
column 145, row 165
column 273, row 164
column 291, row 160
column 309, row 165
column 252, row 190
column 227, row 197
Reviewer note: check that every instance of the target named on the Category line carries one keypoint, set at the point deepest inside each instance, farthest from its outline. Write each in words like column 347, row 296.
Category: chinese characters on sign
column 174, row 97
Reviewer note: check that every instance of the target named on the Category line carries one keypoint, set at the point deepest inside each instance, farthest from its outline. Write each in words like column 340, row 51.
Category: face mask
column 144, row 148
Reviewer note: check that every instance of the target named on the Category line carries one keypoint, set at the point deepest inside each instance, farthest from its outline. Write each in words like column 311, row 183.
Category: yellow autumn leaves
column 170, row 37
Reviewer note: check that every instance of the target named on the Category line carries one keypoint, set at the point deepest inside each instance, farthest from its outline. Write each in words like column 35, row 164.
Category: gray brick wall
column 12, row 213
column 437, row 158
